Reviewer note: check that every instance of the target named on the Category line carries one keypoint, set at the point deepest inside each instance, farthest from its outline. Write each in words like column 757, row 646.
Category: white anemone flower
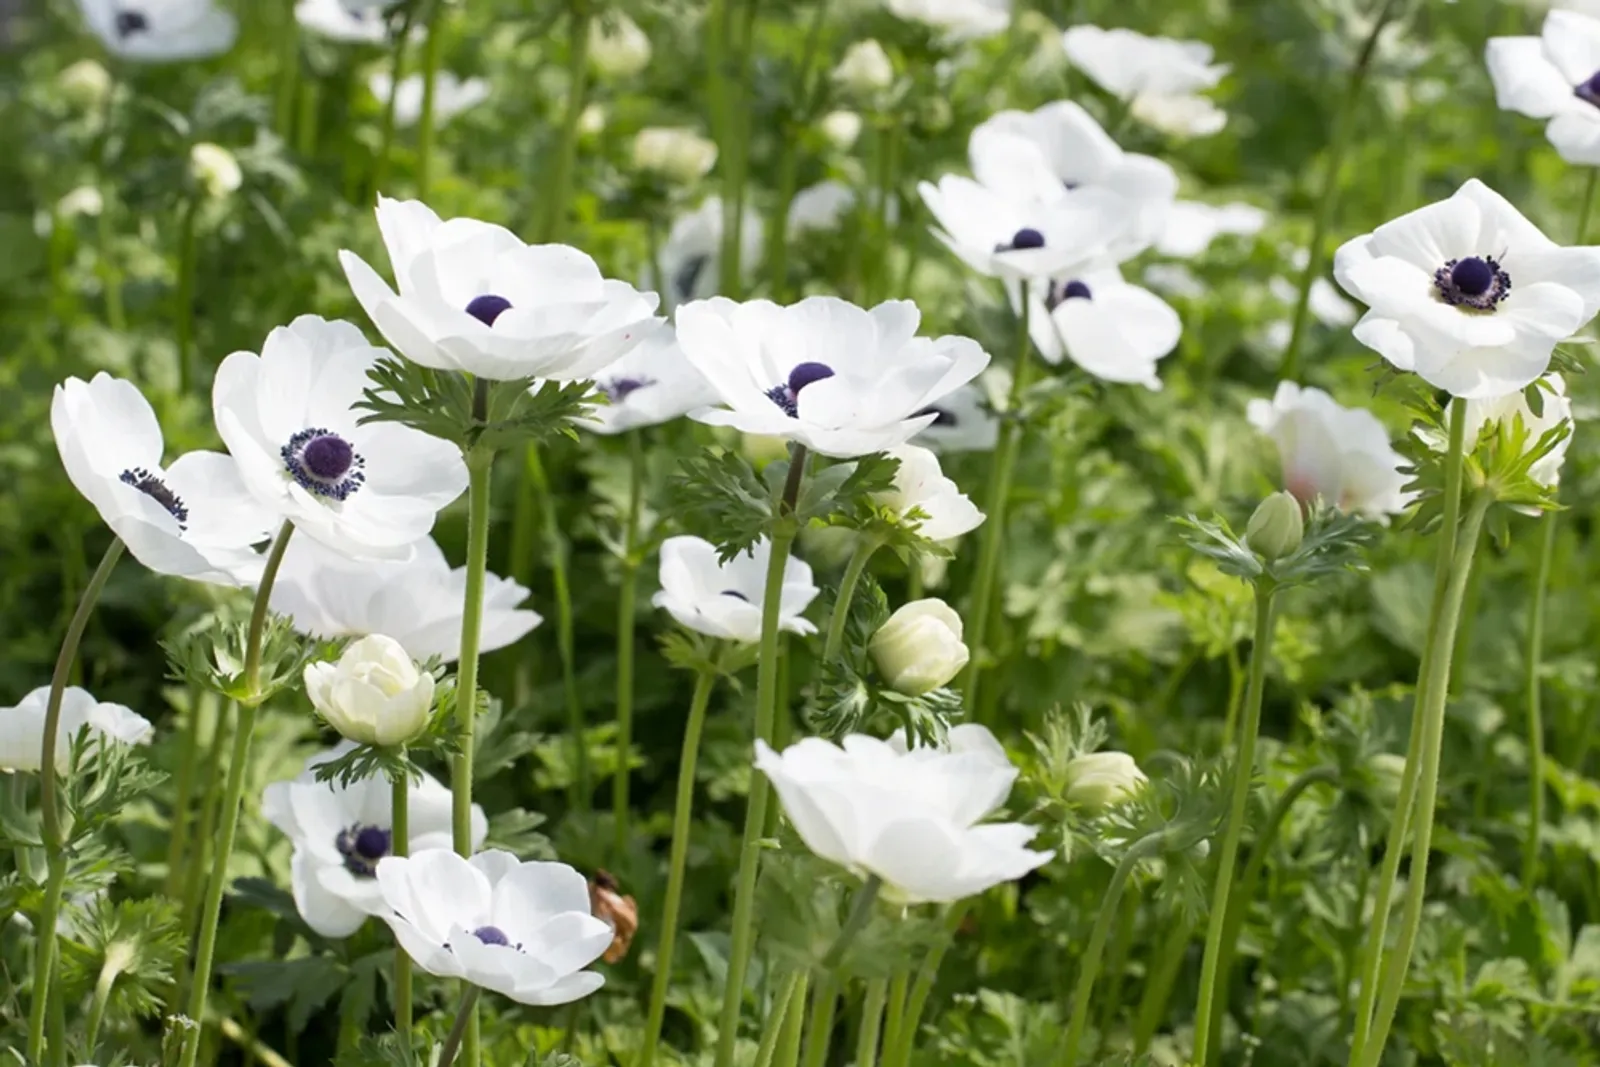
column 341, row 832
column 524, row 930
column 288, row 417
column 920, row 485
column 1339, row 455
column 652, row 384
column 909, row 818
column 1556, row 409
column 451, row 96
column 416, row 601
column 1115, row 331
column 160, row 31
column 351, row 21
column 1554, row 76
column 1467, row 293
column 840, row 380
column 691, row 257
column 1157, row 77
column 820, row 207
column 962, row 422
column 958, row 20
column 194, row 519
column 1191, row 226
column 22, row 728
column 474, row 298
column 724, row 600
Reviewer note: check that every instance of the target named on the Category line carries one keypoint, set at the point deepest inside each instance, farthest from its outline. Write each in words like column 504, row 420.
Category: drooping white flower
column 451, row 95
column 160, row 31
column 840, row 380
column 911, row 818
column 1115, row 331
column 652, row 384
column 354, row 21
column 341, row 833
column 691, row 256
column 22, row 727
column 919, row 647
column 865, row 69
column 959, row 20
column 920, row 485
column 288, row 418
column 1507, row 409
column 524, row 930
column 417, row 601
column 821, row 206
column 373, row 694
column 618, row 48
column 1554, row 76
column 1338, row 454
column 674, row 152
column 1100, row 779
column 1467, row 293
column 195, row 519
column 724, row 599
column 1158, row 77
column 1191, row 226
column 962, row 422
column 474, row 298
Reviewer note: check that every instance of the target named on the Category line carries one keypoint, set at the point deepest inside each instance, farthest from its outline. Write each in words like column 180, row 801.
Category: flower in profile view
column 919, row 647
column 919, row 485
column 1504, row 410
column 473, row 297
column 22, row 728
column 373, row 694
column 194, row 519
column 1339, row 455
column 523, row 930
column 962, row 422
column 1554, row 76
column 912, row 818
column 351, row 21
column 417, row 601
column 724, row 600
column 691, row 256
column 341, row 832
column 959, row 20
column 652, row 384
column 1191, row 226
column 289, row 419
column 451, row 95
column 1098, row 780
column 1467, row 293
column 838, row 379
column 1158, row 77
column 160, row 31
column 1115, row 331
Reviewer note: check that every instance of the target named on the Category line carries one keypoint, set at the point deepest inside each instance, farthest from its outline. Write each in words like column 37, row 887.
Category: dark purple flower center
column 941, row 416
column 127, row 23
column 1075, row 289
column 491, row 935
column 156, row 489
column 1027, row 237
column 787, row 396
column 362, row 847
column 617, row 389
column 488, row 307
column 687, row 277
column 736, row 595
column 1589, row 91
column 1474, row 282
column 323, row 463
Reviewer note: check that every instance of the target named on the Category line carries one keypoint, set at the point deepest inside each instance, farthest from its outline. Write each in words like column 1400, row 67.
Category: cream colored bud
column 85, row 83
column 618, row 48
column 919, row 649
column 215, row 169
column 865, row 69
column 1100, row 779
column 374, row 694
column 841, row 128
column 674, row 152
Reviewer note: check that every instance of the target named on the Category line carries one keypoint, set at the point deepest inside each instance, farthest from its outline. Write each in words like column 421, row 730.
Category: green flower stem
column 397, row 58
column 183, row 313
column 787, row 1053
column 847, row 588
column 735, row 147
column 782, row 1005
column 1398, row 959
column 807, row 91
column 466, row 1014
column 1001, row 470
column 51, row 832
column 871, row 1022
column 249, row 705
column 430, row 77
column 1243, row 773
column 579, row 16
column 860, row 911
column 1158, row 987
column 917, row 1001
column 1541, row 588
column 743, row 933
column 894, row 1016
column 1405, row 797
column 677, row 864
column 824, row 1003
column 288, row 74
column 1328, row 195
column 556, row 549
column 109, row 973
column 400, row 845
column 188, row 764
column 210, row 800
column 627, row 617
column 252, row 1045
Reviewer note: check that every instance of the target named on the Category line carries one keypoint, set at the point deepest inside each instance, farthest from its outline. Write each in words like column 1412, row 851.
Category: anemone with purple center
column 619, row 389
column 787, row 395
column 1472, row 282
column 324, row 464
column 488, row 307
column 362, row 847
column 155, row 487
column 129, row 22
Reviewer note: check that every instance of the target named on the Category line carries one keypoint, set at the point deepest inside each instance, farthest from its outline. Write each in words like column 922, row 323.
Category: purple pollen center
column 362, row 847
column 1474, row 283
column 488, row 307
column 323, row 463
column 128, row 23
column 491, row 935
column 1589, row 91
column 1075, row 289
column 329, row 457
column 1472, row 276
column 1027, row 237
column 156, row 489
column 617, row 389
column 787, row 396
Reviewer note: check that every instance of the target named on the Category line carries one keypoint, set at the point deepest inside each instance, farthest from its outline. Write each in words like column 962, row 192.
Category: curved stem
column 97, row 1007
column 50, row 828
column 1405, row 798
column 430, row 77
column 1001, row 470
column 860, row 911
column 233, row 792
column 1243, row 774
column 824, row 1003
column 871, row 1022
column 677, row 865
column 917, row 1002
column 555, row 190
column 1541, row 588
column 782, row 1005
column 400, row 845
column 847, row 588
column 466, row 1011
column 1398, row 959
column 627, row 617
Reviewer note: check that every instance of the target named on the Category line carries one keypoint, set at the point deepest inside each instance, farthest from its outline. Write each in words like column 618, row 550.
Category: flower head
column 1467, row 293
column 1115, row 331
column 1191, row 226
column 865, row 69
column 1157, row 76
column 344, row 20
column 1339, row 455
column 674, row 152
column 22, row 727
column 341, row 833
column 1100, row 779
column 919, row 648
column 1554, row 76
column 920, row 485
column 691, row 257
column 374, row 694
column 215, row 168
column 724, row 599
column 962, row 422
column 911, row 818
column 820, row 207
column 652, row 384
column 523, row 930
column 451, row 95
column 840, row 380
column 474, row 298
column 85, row 83
column 160, row 31
column 618, row 48
column 1502, row 411
column 959, row 20
column 194, row 519
column 288, row 417
column 1179, row 115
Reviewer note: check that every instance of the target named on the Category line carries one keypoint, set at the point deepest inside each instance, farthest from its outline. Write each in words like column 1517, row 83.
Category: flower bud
column 618, row 48
column 1277, row 527
column 85, row 83
column 919, row 649
column 592, row 120
column 865, row 69
column 673, row 152
column 84, row 200
column 1101, row 779
column 215, row 169
column 374, row 695
column 841, row 128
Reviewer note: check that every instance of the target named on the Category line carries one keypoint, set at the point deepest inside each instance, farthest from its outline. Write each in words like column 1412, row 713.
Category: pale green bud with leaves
column 1277, row 527
column 374, row 694
column 1097, row 780
column 919, row 649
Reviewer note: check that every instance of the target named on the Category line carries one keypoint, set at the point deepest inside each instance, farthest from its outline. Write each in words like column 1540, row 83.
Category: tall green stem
column 1405, row 798
column 677, row 864
column 1163, row 975
column 1398, row 959
column 782, row 1005
column 824, row 1003
column 1243, row 775
column 555, row 547
column 430, row 78
column 400, row 845
column 917, row 1001
column 288, row 74
column 249, row 705
column 787, row 1051
column 188, row 764
column 183, row 314
column 871, row 1022
column 743, row 935
column 459, row 1036
column 579, row 16
column 380, row 169
column 735, row 147
column 1001, row 470
column 894, row 1013
column 50, row 821
column 627, row 617
column 1541, row 587
column 847, row 589
column 860, row 911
